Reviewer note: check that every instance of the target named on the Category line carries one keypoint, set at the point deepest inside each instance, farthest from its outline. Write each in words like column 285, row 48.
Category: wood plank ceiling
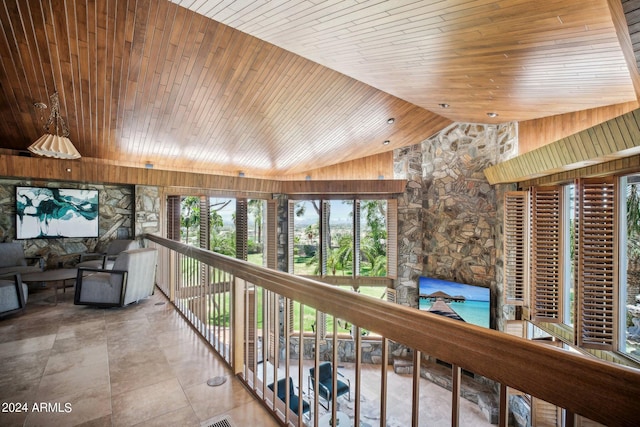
column 273, row 88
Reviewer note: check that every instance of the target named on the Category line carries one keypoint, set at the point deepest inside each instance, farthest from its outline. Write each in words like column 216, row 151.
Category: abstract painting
column 56, row 212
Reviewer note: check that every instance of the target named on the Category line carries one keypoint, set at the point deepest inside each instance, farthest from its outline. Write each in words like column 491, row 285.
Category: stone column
column 450, row 217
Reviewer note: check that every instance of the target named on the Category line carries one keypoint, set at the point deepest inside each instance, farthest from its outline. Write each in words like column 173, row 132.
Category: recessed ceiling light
column 386, row 142
column 492, row 114
column 391, row 120
column 444, row 105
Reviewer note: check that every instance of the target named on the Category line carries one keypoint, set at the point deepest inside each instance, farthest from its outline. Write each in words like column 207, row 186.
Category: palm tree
column 255, row 207
column 633, row 221
column 218, row 242
column 189, row 216
column 372, row 244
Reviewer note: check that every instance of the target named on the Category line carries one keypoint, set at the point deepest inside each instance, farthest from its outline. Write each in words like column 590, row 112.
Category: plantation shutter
column 272, row 234
column 321, row 329
column 356, row 238
column 546, row 254
column 173, row 218
column 204, row 244
column 392, row 238
column 585, row 422
column 390, row 295
column 250, row 339
column 204, row 222
column 516, row 328
column 290, row 308
column 325, row 236
column 516, row 251
column 242, row 229
column 272, row 320
column 544, row 414
column 291, row 236
column 596, row 276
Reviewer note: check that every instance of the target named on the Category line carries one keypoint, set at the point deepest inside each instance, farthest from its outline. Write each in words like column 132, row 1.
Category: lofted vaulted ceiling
column 273, row 88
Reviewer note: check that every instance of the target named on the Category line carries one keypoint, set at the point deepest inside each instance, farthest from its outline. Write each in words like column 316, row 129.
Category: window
column 305, row 218
column 256, row 230
column 190, row 220
column 222, row 227
column 568, row 253
column 629, row 275
column 373, row 238
column 343, row 238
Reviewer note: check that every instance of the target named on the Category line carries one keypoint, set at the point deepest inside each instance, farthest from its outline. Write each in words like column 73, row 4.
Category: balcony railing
column 246, row 313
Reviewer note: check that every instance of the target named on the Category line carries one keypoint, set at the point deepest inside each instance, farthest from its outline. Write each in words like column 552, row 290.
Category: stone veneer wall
column 147, row 206
column 116, row 216
column 450, row 218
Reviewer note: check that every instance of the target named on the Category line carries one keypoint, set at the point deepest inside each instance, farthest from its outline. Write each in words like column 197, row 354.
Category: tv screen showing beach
column 471, row 303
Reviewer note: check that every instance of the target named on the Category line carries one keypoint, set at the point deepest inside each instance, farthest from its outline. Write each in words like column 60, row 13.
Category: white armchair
column 131, row 279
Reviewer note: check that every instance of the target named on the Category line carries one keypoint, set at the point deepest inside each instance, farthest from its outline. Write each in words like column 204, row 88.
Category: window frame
column 355, row 279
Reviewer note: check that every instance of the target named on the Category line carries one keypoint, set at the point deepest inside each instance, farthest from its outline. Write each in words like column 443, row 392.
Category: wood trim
column 103, row 172
column 330, row 189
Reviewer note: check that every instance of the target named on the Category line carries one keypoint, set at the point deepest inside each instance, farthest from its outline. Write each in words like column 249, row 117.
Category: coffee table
column 58, row 277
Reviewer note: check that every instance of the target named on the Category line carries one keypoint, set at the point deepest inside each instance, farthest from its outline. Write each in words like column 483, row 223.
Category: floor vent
column 222, row 422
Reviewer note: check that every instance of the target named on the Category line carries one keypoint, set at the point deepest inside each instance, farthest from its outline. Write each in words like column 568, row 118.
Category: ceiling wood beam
column 100, row 172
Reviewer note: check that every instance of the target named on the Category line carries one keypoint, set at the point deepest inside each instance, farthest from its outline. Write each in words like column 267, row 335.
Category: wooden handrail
column 601, row 391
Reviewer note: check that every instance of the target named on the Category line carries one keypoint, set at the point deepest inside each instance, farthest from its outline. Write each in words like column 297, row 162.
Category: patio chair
column 294, row 400
column 105, row 260
column 13, row 260
column 13, row 294
column 325, row 383
column 131, row 279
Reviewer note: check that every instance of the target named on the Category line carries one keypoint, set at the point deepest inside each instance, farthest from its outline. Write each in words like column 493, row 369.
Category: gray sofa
column 12, row 259
column 131, row 279
column 13, row 294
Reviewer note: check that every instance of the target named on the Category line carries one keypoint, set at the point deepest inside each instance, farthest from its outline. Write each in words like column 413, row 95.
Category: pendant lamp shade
column 55, row 142
column 56, row 146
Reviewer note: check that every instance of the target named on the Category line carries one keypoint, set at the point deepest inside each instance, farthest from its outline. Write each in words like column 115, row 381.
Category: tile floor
column 137, row 366
column 144, row 366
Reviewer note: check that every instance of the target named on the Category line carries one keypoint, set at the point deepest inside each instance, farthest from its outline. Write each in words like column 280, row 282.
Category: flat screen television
column 56, row 212
column 470, row 303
